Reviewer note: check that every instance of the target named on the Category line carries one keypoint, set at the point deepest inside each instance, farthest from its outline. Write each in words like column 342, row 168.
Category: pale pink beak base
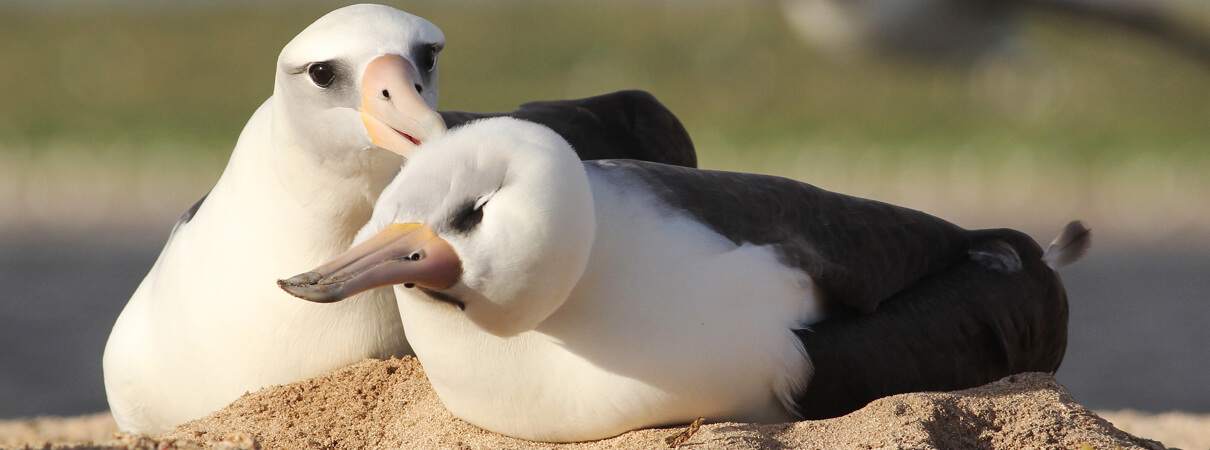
column 395, row 115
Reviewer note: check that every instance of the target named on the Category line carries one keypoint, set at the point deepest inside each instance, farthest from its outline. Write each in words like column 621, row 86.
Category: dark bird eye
column 429, row 60
column 321, row 74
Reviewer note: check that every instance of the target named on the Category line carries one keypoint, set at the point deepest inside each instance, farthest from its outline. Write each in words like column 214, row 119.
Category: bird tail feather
column 1070, row 246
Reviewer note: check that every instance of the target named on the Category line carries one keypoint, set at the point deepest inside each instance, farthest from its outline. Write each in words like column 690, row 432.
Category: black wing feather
column 187, row 216
column 941, row 308
column 858, row 251
column 625, row 124
column 963, row 327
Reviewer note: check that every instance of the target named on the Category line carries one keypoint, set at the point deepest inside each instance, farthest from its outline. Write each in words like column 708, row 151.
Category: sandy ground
column 389, row 404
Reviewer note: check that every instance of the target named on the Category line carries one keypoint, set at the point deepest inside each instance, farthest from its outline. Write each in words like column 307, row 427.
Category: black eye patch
column 428, row 59
column 466, row 217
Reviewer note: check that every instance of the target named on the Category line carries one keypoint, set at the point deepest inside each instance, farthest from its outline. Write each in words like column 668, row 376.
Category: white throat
column 290, row 190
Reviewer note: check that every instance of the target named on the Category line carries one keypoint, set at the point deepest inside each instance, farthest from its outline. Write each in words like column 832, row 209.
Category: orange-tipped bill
column 409, row 254
column 395, row 115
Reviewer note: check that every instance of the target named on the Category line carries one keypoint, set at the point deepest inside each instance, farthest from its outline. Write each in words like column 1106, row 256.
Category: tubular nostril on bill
column 419, row 89
column 386, row 94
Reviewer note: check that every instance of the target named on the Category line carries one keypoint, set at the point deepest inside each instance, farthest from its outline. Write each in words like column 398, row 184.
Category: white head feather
column 529, row 249
column 326, row 119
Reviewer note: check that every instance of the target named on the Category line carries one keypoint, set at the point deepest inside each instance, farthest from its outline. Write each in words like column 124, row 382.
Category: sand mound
column 91, row 428
column 1175, row 429
column 389, row 404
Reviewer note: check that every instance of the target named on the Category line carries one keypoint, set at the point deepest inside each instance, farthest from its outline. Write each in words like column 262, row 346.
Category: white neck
column 284, row 190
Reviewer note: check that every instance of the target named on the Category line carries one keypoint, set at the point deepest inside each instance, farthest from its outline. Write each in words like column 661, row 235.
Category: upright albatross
column 208, row 323
column 558, row 300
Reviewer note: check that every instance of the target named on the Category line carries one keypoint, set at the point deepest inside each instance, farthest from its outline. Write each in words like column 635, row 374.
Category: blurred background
column 115, row 116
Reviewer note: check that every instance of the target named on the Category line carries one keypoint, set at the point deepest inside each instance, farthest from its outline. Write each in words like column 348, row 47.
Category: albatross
column 557, row 300
column 354, row 93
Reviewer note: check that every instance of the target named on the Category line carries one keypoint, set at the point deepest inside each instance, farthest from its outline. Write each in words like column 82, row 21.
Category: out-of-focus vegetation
column 732, row 71
column 111, row 107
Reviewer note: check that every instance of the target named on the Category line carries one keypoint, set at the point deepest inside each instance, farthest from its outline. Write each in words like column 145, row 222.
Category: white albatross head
column 361, row 77
column 496, row 219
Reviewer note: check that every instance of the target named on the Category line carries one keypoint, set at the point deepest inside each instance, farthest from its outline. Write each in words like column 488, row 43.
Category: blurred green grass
column 732, row 71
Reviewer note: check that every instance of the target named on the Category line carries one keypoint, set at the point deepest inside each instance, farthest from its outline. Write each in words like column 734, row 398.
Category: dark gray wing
column 624, row 124
column 965, row 326
column 187, row 216
column 944, row 308
column 858, row 251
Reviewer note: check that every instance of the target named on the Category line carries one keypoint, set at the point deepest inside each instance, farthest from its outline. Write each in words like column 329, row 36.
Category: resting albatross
column 208, row 323
column 558, row 300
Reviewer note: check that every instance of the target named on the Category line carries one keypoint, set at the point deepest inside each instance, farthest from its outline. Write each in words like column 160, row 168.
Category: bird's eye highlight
column 429, row 61
column 321, row 74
